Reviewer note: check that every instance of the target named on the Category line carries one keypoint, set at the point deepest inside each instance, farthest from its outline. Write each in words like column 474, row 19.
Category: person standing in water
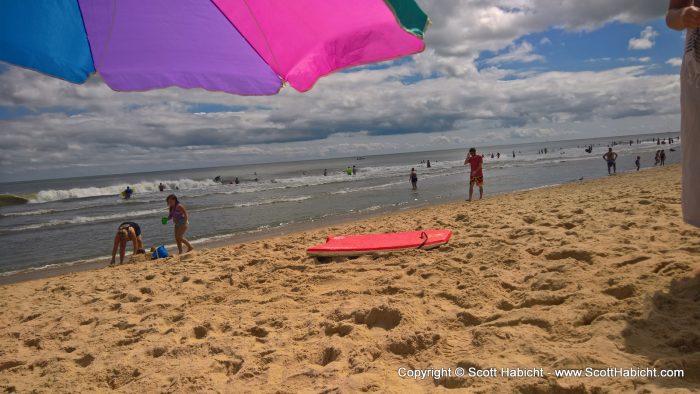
column 325, row 172
column 476, row 175
column 354, row 170
column 662, row 157
column 161, row 187
column 638, row 162
column 685, row 15
column 611, row 158
column 414, row 178
column 127, row 231
column 181, row 220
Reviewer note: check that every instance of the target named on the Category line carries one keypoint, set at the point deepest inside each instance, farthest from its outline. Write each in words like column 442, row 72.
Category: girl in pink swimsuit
column 180, row 217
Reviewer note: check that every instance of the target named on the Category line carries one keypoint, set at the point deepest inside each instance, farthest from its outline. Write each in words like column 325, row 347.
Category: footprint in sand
column 382, row 317
column 412, row 344
column 202, row 331
column 258, row 332
column 580, row 255
column 468, row 319
column 85, row 361
column 338, row 329
column 328, row 355
column 621, row 292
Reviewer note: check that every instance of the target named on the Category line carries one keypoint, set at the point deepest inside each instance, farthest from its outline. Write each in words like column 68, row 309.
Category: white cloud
column 675, row 61
column 646, row 39
column 631, row 59
column 522, row 53
column 155, row 129
column 465, row 28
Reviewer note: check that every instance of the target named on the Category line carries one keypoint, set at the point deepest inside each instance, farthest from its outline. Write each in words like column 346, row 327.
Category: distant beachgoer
column 414, row 178
column 685, row 15
column 476, row 175
column 161, row 187
column 127, row 231
column 181, row 220
column 611, row 158
column 236, row 181
column 514, row 154
column 128, row 192
column 325, row 172
column 428, row 164
column 638, row 162
column 662, row 157
column 354, row 170
column 657, row 158
column 498, row 155
column 348, row 170
column 492, row 155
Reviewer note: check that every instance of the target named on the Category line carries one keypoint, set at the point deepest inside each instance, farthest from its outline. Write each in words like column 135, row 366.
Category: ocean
column 61, row 223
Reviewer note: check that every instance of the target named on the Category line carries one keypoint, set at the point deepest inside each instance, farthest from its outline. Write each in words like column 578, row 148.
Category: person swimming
column 127, row 192
column 127, row 231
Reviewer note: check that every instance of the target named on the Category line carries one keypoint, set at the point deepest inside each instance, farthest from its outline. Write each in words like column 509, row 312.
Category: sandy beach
column 594, row 274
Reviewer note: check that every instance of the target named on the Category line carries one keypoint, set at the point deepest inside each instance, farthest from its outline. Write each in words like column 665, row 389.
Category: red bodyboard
column 355, row 245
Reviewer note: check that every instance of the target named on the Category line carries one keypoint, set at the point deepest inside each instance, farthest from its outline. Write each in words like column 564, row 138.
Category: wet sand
column 592, row 274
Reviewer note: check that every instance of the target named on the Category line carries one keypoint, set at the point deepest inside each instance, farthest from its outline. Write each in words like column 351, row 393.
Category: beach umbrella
column 245, row 47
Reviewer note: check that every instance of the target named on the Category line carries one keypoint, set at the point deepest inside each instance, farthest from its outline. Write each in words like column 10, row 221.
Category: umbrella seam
column 87, row 38
column 267, row 43
column 105, row 47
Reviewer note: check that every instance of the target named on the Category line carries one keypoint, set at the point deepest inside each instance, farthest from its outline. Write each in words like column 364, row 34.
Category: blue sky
column 604, row 48
column 544, row 70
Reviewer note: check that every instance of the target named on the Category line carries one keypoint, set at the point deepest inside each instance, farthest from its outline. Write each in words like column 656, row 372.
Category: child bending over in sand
column 180, row 217
column 127, row 231
column 685, row 15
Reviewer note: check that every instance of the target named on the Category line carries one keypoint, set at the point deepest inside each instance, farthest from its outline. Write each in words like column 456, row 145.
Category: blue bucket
column 160, row 253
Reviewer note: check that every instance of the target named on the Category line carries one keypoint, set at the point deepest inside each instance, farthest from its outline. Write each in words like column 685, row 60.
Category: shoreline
column 224, row 240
